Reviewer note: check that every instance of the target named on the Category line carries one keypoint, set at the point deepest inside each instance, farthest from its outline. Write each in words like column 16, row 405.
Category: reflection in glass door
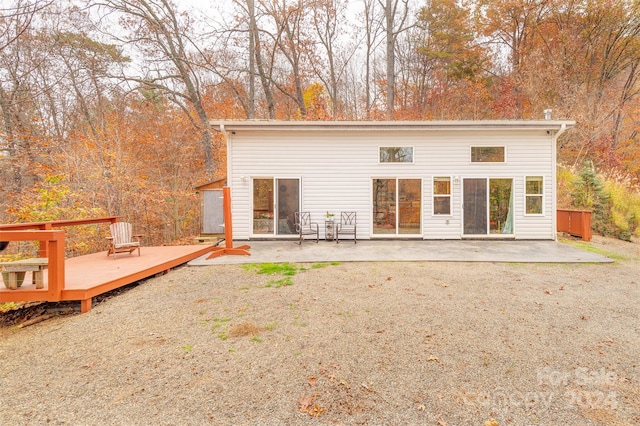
column 397, row 206
column 274, row 214
column 488, row 206
column 501, row 206
column 288, row 203
column 263, row 206
column 475, row 206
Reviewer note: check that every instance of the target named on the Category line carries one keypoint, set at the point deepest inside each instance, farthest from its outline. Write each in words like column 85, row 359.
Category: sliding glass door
column 488, row 206
column 275, row 201
column 397, row 206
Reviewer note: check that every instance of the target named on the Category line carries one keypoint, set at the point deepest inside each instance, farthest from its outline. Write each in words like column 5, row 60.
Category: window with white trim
column 442, row 195
column 533, row 194
column 396, row 154
column 487, row 154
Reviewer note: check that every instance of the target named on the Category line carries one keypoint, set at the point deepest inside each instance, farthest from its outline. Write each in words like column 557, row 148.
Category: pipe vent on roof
column 547, row 114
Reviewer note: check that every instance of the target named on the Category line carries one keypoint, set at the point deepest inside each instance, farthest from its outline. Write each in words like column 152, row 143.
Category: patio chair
column 304, row 226
column 122, row 240
column 346, row 226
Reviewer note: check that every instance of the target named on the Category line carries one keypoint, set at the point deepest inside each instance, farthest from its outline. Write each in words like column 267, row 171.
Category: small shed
column 211, row 208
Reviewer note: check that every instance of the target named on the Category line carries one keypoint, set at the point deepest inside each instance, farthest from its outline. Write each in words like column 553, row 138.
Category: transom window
column 396, row 154
column 534, row 194
column 487, row 154
column 441, row 195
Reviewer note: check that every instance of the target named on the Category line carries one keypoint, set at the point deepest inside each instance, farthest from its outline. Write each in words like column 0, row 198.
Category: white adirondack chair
column 122, row 239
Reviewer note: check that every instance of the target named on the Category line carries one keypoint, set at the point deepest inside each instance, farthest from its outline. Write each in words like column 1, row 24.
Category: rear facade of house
column 420, row 180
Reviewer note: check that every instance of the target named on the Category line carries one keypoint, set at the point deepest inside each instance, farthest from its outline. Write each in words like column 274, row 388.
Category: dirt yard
column 393, row 343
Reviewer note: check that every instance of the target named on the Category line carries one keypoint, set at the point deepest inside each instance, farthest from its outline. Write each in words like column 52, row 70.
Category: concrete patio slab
column 407, row 250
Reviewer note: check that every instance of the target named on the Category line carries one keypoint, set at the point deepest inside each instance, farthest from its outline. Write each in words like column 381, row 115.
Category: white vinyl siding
column 336, row 168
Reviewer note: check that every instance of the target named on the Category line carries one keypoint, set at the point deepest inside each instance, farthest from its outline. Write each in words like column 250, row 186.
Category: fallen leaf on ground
column 307, row 404
column 365, row 386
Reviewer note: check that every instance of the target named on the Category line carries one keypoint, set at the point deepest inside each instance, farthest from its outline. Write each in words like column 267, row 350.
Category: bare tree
column 372, row 29
column 293, row 45
column 395, row 17
column 16, row 19
column 156, row 28
column 257, row 64
column 329, row 24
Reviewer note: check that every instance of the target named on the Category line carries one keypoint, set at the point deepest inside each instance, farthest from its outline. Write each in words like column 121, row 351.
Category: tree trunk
column 391, row 57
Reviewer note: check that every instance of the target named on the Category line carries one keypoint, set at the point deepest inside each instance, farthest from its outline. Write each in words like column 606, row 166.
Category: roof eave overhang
column 275, row 125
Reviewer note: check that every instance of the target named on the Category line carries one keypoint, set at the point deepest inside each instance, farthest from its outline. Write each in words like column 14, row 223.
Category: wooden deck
column 94, row 274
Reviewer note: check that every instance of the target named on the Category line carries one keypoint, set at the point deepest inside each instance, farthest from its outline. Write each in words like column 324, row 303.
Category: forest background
column 105, row 104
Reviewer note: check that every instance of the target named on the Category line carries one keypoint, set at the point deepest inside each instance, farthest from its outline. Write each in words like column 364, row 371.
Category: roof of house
column 280, row 125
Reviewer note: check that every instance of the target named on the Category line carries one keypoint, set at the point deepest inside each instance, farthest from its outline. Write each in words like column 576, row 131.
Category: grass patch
column 217, row 323
column 324, row 265
column 583, row 245
column 288, row 269
column 279, row 283
column 10, row 306
column 271, row 326
column 285, row 269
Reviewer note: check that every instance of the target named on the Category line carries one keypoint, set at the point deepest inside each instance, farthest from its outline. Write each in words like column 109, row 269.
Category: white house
column 405, row 179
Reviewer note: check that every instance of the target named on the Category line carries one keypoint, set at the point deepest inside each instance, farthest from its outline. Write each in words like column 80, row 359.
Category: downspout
column 563, row 128
column 224, row 132
column 554, row 172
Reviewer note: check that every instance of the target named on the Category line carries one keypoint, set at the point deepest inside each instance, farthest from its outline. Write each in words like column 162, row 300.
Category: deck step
column 208, row 239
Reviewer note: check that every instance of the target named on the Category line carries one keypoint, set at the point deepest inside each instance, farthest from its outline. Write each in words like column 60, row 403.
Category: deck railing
column 576, row 223
column 53, row 243
column 51, row 247
column 44, row 226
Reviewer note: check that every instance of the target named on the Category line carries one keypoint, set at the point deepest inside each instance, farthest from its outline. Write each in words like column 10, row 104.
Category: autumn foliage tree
column 114, row 98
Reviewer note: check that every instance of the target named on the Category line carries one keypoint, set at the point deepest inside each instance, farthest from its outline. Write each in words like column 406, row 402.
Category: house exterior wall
column 336, row 168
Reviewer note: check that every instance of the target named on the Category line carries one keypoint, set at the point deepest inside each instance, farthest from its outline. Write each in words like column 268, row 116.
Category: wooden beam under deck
column 94, row 274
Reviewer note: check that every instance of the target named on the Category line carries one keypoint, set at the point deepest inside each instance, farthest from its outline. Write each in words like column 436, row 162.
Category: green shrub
column 613, row 200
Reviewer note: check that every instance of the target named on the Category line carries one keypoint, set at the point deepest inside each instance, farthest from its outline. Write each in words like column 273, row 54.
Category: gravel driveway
column 393, row 343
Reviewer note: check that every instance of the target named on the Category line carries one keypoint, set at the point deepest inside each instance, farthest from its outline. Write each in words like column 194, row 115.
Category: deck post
column 228, row 231
column 85, row 305
column 55, row 249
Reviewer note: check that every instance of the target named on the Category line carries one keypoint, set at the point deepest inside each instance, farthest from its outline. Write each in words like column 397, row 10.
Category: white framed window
column 534, row 195
column 395, row 154
column 488, row 154
column 442, row 195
